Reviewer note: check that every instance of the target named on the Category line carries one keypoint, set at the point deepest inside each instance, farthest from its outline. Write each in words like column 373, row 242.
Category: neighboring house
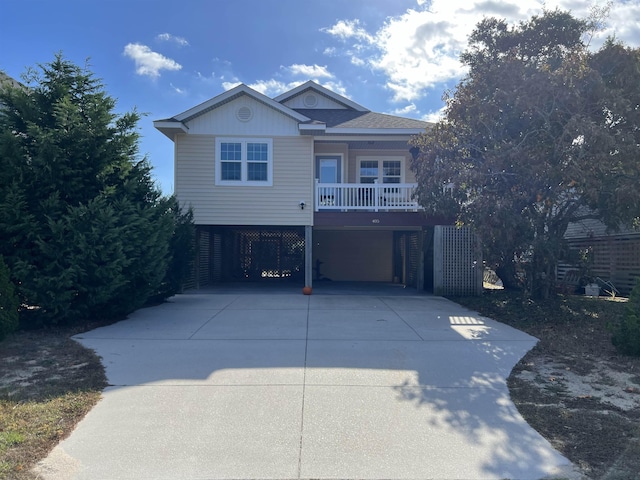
column 614, row 256
column 308, row 186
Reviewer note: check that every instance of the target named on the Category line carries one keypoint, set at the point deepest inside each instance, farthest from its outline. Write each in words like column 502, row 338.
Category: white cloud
column 346, row 29
column 167, row 37
column 436, row 116
column 336, row 87
column 409, row 109
column 148, row 62
column 309, row 71
column 178, row 90
column 230, row 85
column 419, row 49
column 273, row 88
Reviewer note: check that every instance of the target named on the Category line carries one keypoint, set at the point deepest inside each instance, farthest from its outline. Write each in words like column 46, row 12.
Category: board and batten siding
column 224, row 120
column 322, row 102
column 246, row 205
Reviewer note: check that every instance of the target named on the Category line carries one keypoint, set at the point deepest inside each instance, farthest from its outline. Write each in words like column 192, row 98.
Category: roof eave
column 374, row 131
column 170, row 128
column 315, row 127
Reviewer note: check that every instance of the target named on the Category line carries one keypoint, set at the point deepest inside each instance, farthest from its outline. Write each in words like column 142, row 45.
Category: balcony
column 368, row 197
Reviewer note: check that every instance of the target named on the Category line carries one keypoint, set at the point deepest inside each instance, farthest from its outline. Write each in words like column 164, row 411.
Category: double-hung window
column 380, row 170
column 244, row 161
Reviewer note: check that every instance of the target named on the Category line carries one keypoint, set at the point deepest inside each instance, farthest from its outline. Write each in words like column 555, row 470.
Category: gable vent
column 310, row 100
column 244, row 114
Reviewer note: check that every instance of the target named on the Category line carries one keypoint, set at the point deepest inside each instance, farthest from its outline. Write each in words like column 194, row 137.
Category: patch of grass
column 48, row 383
column 31, row 428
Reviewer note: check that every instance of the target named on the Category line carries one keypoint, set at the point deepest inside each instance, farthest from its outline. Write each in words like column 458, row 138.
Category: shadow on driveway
column 242, row 384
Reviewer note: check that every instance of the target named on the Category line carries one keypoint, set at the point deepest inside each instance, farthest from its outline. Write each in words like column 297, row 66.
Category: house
column 613, row 259
column 308, row 186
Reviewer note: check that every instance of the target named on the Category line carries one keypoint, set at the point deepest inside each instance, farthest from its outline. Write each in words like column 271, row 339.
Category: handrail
column 365, row 196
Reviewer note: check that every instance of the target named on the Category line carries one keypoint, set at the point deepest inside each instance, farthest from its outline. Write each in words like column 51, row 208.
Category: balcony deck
column 368, row 197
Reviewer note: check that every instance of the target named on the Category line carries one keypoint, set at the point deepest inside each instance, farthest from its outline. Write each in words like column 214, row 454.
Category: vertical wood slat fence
column 457, row 257
column 616, row 259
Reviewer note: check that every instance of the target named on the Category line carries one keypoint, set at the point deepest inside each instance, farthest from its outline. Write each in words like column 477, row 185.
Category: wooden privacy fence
column 616, row 259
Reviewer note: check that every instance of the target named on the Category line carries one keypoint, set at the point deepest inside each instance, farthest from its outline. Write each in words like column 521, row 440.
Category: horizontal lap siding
column 246, row 205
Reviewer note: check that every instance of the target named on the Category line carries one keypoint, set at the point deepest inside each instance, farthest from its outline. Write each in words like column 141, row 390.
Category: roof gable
column 332, row 114
column 231, row 95
column 309, row 86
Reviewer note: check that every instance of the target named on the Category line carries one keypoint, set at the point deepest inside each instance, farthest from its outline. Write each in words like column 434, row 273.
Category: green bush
column 8, row 302
column 85, row 231
column 626, row 336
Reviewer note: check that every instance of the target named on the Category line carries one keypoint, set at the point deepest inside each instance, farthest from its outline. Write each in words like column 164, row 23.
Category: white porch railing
column 365, row 196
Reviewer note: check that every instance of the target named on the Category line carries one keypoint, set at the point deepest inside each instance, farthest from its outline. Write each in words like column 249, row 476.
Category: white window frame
column 381, row 161
column 244, row 162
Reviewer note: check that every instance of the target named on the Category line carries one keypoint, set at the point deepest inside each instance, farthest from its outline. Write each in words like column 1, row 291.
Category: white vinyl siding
column 279, row 204
column 225, row 121
column 322, row 102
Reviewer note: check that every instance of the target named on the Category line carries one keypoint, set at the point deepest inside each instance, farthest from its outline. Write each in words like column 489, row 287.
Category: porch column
column 308, row 248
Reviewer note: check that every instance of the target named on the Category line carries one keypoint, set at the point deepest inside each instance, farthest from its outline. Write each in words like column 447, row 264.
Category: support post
column 308, row 249
column 420, row 272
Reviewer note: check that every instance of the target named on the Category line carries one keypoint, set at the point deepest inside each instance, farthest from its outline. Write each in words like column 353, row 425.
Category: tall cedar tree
column 541, row 132
column 83, row 229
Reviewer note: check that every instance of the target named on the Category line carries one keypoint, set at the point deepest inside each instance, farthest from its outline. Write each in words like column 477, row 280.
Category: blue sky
column 163, row 57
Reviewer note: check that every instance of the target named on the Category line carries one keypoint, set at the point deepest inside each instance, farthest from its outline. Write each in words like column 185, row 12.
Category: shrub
column 626, row 336
column 8, row 302
column 85, row 231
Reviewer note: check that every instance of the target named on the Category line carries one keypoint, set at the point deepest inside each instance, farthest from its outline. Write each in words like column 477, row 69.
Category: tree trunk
column 507, row 274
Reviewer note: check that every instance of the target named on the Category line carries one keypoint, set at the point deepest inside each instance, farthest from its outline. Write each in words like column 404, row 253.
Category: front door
column 328, row 171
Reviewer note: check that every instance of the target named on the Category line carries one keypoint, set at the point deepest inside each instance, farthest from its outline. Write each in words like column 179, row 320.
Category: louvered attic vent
column 310, row 100
column 244, row 114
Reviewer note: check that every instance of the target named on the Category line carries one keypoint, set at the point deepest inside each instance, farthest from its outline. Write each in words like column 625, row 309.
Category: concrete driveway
column 286, row 386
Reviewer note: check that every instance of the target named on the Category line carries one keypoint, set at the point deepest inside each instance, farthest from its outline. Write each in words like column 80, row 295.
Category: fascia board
column 170, row 128
column 313, row 126
column 374, row 131
column 362, row 138
column 170, row 124
column 242, row 88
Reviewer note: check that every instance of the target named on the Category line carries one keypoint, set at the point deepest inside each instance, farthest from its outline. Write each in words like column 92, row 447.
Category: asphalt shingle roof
column 335, row 118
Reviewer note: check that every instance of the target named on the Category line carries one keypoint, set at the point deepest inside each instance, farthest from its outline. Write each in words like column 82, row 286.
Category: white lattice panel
column 457, row 261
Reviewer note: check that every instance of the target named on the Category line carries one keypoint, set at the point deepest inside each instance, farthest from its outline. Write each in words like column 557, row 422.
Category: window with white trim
column 244, row 161
column 380, row 170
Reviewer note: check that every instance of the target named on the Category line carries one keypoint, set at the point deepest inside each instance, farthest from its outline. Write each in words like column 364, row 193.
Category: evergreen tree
column 9, row 302
column 83, row 228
